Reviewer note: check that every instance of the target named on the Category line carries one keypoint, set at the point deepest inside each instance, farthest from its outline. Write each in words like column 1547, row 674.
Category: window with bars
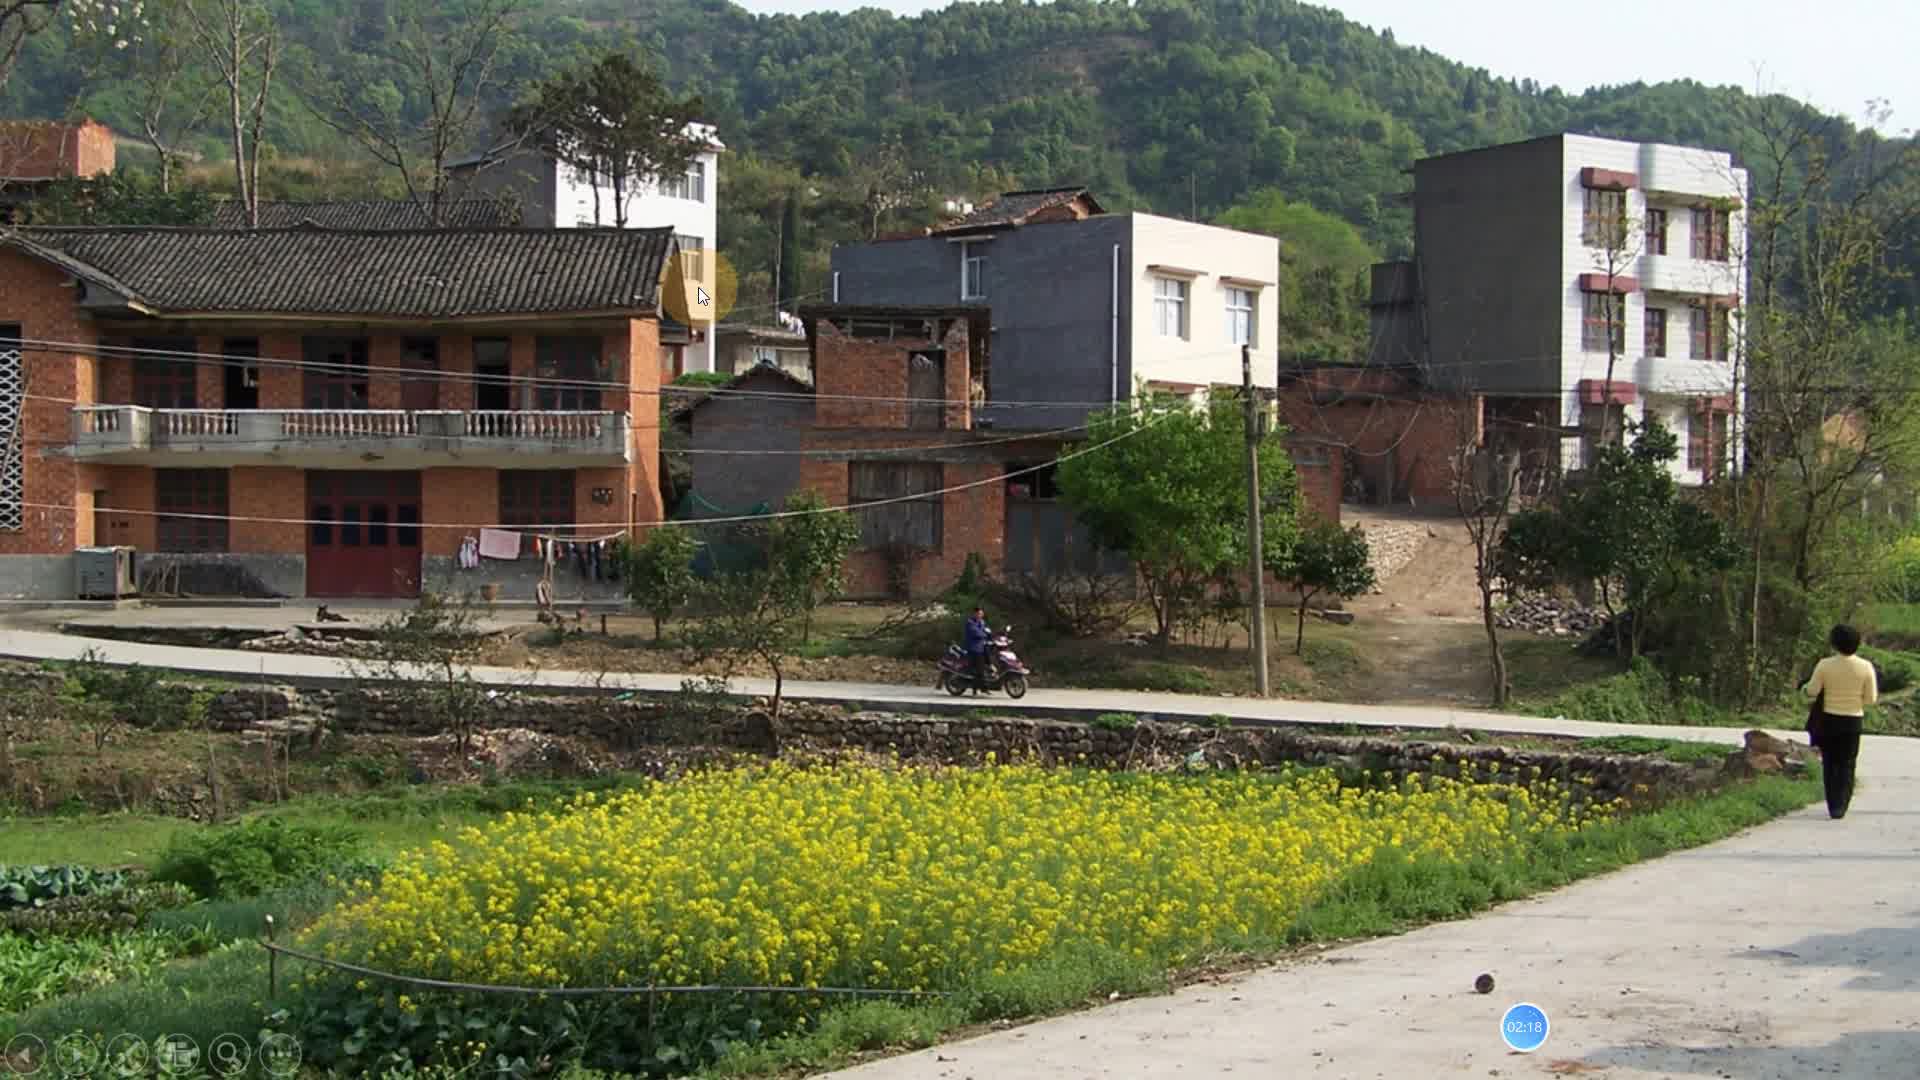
column 569, row 368
column 163, row 377
column 1605, row 224
column 1240, row 316
column 1656, row 232
column 1710, row 331
column 200, row 492
column 1710, row 233
column 1656, row 331
column 1602, row 321
column 536, row 498
column 1170, row 306
column 904, row 519
column 13, row 393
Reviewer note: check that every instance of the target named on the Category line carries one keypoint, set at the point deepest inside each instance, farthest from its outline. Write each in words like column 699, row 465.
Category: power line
column 682, row 522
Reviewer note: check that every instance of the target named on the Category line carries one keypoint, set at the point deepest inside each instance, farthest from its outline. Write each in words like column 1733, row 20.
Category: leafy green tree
column 660, row 577
column 1323, row 270
column 119, row 198
column 810, row 551
column 1166, row 483
column 613, row 121
column 1326, row 559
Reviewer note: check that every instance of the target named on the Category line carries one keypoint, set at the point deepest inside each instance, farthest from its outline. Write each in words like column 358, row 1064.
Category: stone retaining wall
column 1393, row 545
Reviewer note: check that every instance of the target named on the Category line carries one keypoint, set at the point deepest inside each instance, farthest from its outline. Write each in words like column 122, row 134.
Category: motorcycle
column 1007, row 671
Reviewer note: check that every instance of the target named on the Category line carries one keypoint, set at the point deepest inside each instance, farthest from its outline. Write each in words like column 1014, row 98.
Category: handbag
column 1814, row 713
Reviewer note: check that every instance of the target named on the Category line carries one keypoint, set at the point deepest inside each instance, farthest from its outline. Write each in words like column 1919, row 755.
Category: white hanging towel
column 499, row 544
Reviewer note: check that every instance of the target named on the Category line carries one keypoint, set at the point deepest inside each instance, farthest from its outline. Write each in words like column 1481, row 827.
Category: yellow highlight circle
column 692, row 276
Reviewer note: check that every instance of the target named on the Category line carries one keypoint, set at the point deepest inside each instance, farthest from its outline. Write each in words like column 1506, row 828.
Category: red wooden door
column 365, row 537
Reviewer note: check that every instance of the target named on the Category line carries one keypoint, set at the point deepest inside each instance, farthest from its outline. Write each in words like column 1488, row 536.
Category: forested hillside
column 1187, row 107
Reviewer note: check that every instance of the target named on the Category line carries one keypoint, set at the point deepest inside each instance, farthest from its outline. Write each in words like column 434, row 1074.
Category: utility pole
column 1259, row 621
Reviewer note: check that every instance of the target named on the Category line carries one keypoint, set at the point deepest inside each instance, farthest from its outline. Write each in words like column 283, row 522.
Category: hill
column 1186, row 107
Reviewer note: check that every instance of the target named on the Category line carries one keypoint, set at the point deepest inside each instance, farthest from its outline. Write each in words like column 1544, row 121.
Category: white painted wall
column 1672, row 176
column 648, row 207
column 1206, row 354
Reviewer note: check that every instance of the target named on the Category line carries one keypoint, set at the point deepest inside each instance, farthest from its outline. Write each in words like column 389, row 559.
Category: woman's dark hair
column 1845, row 640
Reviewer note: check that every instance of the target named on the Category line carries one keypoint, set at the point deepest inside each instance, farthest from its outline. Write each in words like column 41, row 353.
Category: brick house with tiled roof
column 324, row 413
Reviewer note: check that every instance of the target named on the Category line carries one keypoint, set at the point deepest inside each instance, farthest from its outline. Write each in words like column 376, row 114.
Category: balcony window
column 201, row 492
column 1656, row 331
column 336, row 373
column 568, row 370
column 242, row 372
column 493, row 375
column 420, row 386
column 166, row 380
column 1707, row 434
column 1710, row 229
column 536, row 498
column 1605, row 223
column 691, row 185
column 1602, row 323
column 1656, row 232
column 973, row 271
column 1241, row 324
column 1170, row 307
column 1710, row 333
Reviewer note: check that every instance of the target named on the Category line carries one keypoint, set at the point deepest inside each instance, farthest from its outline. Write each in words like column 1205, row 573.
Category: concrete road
column 1791, row 951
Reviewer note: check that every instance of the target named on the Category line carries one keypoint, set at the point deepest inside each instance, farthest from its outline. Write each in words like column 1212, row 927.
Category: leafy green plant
column 1896, row 671
column 37, row 886
column 1327, row 559
column 1116, row 721
column 252, row 857
column 77, row 915
column 660, row 577
column 34, row 969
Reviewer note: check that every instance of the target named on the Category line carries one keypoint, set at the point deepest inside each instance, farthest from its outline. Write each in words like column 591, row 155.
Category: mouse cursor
column 701, row 295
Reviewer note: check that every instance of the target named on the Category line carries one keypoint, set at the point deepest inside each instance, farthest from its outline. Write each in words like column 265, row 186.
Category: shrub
column 78, row 915
column 1154, row 675
column 1896, row 671
column 1116, row 721
column 252, row 857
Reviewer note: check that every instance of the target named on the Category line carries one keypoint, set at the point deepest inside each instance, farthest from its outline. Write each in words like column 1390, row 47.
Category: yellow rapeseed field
column 907, row 878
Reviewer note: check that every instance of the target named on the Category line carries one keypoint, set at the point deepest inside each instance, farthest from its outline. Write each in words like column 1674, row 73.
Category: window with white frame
column 1170, row 306
column 1241, row 323
column 973, row 270
column 690, row 185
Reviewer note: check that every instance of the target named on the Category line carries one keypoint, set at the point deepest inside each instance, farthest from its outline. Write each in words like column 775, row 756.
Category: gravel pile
column 1545, row 615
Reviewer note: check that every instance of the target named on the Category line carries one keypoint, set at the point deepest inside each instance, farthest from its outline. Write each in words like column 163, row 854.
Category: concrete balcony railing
column 1688, row 276
column 350, row 438
column 1678, row 375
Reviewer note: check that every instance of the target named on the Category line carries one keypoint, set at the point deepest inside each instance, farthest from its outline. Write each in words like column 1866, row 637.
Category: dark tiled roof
column 366, row 214
column 691, row 399
column 419, row 273
column 1015, row 207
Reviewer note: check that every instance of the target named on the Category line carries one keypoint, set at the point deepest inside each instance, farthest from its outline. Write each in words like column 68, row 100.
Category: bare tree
column 416, row 102
column 239, row 39
column 20, row 20
column 1484, row 493
column 173, row 90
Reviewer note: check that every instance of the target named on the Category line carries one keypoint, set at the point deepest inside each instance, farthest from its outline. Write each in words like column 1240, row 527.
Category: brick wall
column 1320, row 484
column 456, row 496
column 267, row 493
column 972, row 521
column 1401, row 441
column 456, row 359
column 130, row 488
column 280, row 383
column 36, row 298
column 44, row 150
column 848, row 367
column 634, row 353
column 383, row 385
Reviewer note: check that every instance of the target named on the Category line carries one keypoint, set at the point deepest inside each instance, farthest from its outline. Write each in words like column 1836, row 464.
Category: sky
column 1835, row 54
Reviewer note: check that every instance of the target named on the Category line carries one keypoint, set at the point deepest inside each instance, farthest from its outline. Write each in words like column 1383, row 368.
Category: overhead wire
column 776, row 515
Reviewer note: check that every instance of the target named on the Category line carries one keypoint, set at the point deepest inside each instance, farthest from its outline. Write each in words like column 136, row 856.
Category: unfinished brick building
column 1375, row 436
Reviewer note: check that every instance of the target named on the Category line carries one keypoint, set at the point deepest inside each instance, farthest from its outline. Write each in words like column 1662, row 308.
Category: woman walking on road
column 1843, row 685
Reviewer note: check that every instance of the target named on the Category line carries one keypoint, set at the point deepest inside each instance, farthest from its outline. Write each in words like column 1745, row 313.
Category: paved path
column 1791, row 951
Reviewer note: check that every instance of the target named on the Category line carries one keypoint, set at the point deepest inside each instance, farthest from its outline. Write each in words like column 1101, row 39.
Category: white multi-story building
column 555, row 196
column 1087, row 306
column 1540, row 265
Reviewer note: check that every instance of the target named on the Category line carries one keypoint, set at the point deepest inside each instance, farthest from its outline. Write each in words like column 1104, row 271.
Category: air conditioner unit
column 104, row 573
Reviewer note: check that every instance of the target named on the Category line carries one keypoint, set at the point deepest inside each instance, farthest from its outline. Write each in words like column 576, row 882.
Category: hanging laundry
column 469, row 553
column 499, row 544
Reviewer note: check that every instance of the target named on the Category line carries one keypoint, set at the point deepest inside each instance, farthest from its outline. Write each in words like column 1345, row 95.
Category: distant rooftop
column 1015, row 208
column 366, row 214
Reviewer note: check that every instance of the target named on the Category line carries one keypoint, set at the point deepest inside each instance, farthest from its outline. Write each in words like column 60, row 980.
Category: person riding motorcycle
column 979, row 642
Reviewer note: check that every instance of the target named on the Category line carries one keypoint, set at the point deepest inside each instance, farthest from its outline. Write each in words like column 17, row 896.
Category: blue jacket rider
column 979, row 641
